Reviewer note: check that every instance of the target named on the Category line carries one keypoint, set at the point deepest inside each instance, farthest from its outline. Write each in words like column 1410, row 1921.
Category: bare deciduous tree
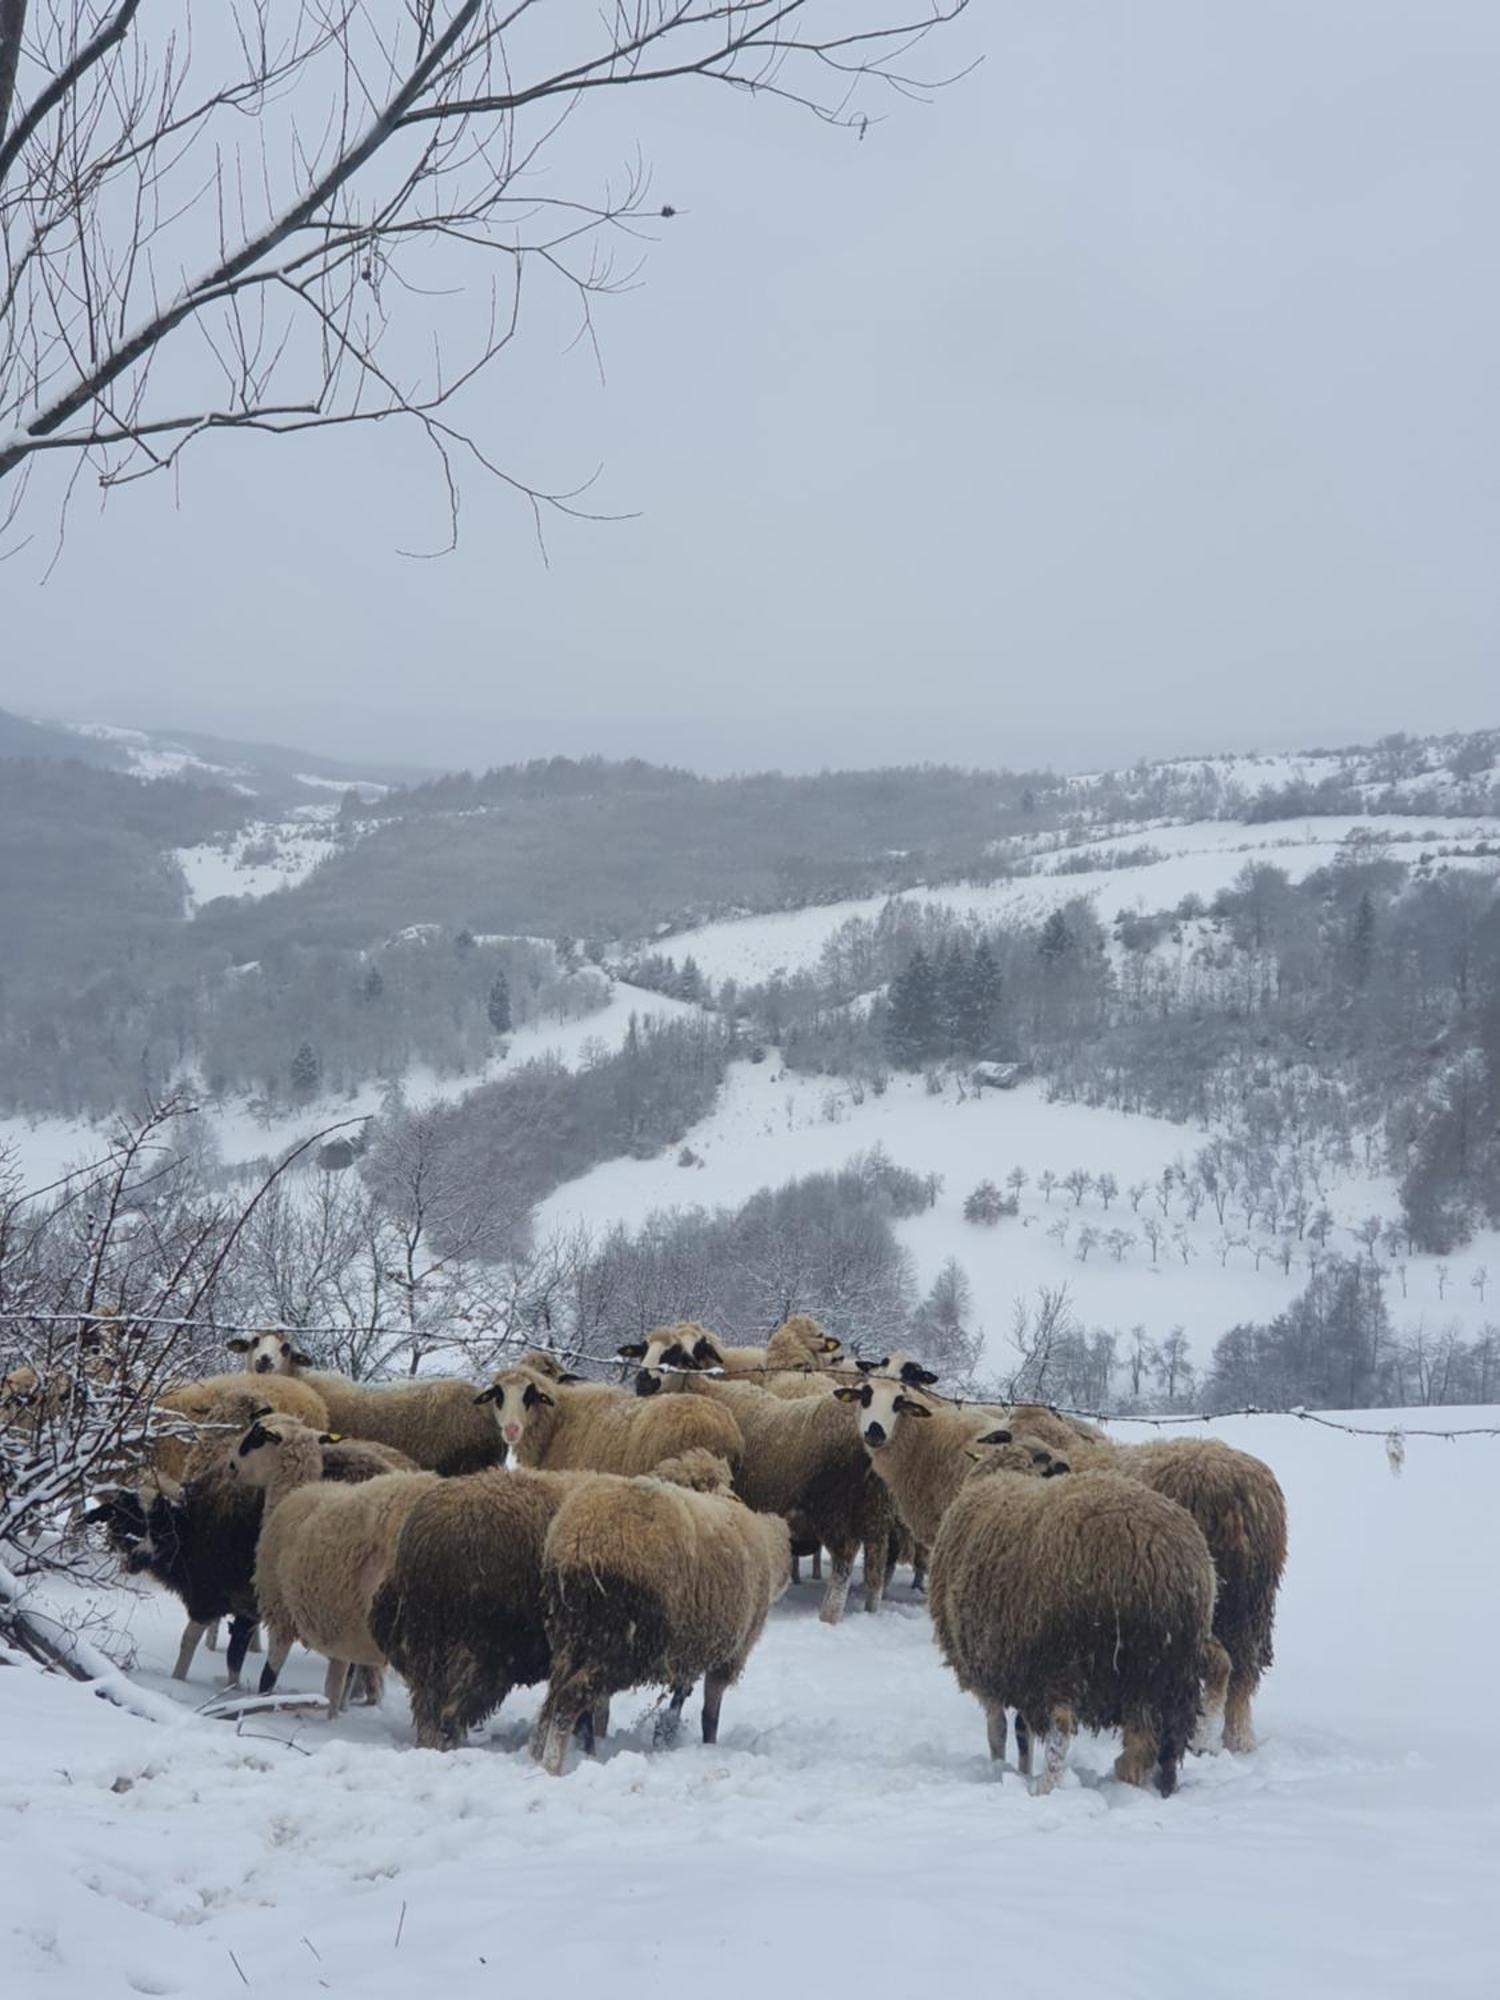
column 244, row 222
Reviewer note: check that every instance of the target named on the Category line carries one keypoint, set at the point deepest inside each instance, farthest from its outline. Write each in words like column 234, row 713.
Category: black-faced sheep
column 459, row 1612
column 920, row 1447
column 653, row 1582
column 1080, row 1601
column 198, row 1537
column 323, row 1550
column 553, row 1426
column 801, row 1460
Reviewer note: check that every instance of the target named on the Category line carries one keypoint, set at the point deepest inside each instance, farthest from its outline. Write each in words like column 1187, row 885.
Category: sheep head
column 883, row 1402
column 269, row 1354
column 522, row 1399
column 686, row 1345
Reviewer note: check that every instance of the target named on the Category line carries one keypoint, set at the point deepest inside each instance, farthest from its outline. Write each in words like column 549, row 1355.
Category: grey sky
column 1138, row 395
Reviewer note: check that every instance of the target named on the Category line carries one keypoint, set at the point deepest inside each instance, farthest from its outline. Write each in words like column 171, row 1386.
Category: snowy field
column 769, row 1128
column 262, row 857
column 847, row 1834
column 1200, row 859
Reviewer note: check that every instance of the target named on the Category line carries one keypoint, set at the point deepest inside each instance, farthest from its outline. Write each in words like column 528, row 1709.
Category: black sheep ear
column 911, row 1409
column 1041, row 1457
column 918, row 1376
column 494, row 1394
column 704, row 1350
column 239, row 1345
column 1058, row 1465
column 534, row 1395
column 632, row 1350
column 300, row 1360
column 570, row 1378
column 994, row 1437
column 869, row 1367
column 265, row 1410
column 848, row 1393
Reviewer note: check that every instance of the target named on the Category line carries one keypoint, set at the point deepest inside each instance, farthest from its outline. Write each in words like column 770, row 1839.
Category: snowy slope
column 848, row 1833
column 1199, row 859
column 769, row 1128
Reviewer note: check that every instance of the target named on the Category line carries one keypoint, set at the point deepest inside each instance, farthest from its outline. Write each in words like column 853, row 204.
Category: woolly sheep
column 591, row 1427
column 1081, row 1601
column 196, row 1400
column 432, row 1419
column 322, row 1552
column 918, row 1446
column 801, row 1460
column 269, row 1353
column 653, row 1582
column 459, row 1612
column 1237, row 1502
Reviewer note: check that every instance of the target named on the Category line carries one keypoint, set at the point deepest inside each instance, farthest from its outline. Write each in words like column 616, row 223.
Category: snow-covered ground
column 847, row 1834
column 260, row 858
column 769, row 1127
column 1199, row 859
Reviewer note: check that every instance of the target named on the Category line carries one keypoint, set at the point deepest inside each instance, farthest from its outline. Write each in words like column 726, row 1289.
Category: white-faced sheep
column 920, row 1447
column 801, row 1460
column 554, row 1426
column 459, row 1612
column 322, row 1552
column 197, row 1400
column 269, row 1353
column 653, row 1582
column 1080, row 1601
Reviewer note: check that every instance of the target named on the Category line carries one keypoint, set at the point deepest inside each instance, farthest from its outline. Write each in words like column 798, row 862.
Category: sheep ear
column 570, row 1378
column 1058, row 1465
column 534, row 1395
column 330, row 1437
column 494, row 1394
column 910, row 1409
column 830, row 1345
column 869, row 1367
column 994, row 1437
column 301, row 1360
column 239, row 1345
column 703, row 1349
column 918, row 1376
column 848, row 1393
column 632, row 1350
column 265, row 1410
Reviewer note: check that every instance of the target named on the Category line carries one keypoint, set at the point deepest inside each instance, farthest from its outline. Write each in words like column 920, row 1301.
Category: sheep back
column 434, row 1420
column 1088, row 1593
column 459, row 1611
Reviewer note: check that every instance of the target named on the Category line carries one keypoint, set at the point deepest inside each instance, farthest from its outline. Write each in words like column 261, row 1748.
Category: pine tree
column 499, row 1005
column 1056, row 940
column 307, row 1071
column 986, row 990
column 912, row 1026
column 1362, row 941
column 374, row 984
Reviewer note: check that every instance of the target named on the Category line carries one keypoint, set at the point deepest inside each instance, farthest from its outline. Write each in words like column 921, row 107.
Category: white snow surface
column 262, row 857
column 848, row 1833
column 1200, row 858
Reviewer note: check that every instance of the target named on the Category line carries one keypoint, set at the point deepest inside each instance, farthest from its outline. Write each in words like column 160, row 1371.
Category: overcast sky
column 1136, row 396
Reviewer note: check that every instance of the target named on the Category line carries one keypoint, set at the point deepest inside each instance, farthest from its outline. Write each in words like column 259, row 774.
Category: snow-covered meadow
column 848, row 1831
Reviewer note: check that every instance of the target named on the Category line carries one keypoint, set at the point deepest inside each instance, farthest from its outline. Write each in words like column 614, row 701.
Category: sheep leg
column 366, row 1687
column 919, row 1569
column 276, row 1652
column 1023, row 1745
column 817, row 1565
column 211, row 1636
column 240, row 1632
column 583, row 1729
column 255, row 1643
column 994, row 1723
column 571, row 1696
column 336, row 1686
column 1055, row 1753
column 1238, row 1734
column 1137, row 1761
column 1210, row 1730
column 714, row 1685
column 601, row 1719
column 192, row 1633
column 877, row 1570
column 796, row 1569
column 669, row 1722
column 836, row 1596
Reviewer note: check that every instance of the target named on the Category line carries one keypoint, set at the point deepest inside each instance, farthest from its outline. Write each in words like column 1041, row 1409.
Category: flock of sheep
column 596, row 1537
